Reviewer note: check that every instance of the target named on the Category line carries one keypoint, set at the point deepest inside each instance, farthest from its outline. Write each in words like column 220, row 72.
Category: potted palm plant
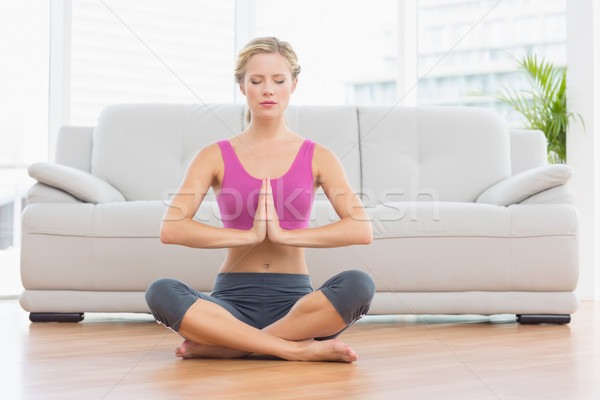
column 544, row 104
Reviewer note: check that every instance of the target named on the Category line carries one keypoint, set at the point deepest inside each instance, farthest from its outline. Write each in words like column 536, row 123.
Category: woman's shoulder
column 322, row 152
column 210, row 150
column 208, row 155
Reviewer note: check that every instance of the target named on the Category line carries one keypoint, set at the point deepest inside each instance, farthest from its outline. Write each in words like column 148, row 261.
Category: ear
column 242, row 89
column 294, row 85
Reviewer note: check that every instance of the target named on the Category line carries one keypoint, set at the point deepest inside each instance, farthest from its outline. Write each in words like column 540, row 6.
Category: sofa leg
column 56, row 317
column 543, row 318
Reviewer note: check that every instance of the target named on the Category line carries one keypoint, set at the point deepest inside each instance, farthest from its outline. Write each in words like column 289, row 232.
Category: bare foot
column 326, row 350
column 190, row 349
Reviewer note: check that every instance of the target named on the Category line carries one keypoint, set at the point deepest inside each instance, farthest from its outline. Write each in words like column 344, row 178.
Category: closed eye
column 256, row 83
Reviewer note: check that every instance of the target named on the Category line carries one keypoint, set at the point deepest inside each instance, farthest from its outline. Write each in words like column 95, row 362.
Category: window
column 151, row 51
column 555, row 27
column 342, row 45
column 372, row 93
column 482, row 60
column 24, row 120
column 24, row 82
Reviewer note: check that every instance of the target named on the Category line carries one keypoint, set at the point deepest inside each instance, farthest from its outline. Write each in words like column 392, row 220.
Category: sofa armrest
column 80, row 184
column 560, row 194
column 42, row 193
column 521, row 186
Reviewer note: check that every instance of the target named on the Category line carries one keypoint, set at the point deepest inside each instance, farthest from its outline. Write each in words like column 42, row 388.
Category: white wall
column 583, row 146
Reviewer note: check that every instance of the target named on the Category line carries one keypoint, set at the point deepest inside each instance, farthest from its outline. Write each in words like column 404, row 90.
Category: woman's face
column 268, row 85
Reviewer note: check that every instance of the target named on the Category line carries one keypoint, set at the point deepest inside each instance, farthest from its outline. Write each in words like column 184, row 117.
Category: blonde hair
column 267, row 44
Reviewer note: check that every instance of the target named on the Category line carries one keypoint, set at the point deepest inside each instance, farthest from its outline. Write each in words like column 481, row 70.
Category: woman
column 262, row 300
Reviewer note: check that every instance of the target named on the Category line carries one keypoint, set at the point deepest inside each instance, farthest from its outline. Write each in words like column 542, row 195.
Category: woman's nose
column 269, row 89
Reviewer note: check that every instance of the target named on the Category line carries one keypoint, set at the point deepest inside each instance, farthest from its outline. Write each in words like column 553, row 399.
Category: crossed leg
column 213, row 332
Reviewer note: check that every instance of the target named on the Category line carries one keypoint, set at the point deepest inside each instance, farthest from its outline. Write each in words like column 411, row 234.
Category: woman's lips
column 268, row 103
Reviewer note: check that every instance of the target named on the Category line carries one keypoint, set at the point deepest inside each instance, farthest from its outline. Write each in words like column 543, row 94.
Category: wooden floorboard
column 112, row 356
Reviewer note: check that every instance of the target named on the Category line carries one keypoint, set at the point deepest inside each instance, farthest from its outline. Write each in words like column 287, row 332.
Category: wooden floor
column 130, row 357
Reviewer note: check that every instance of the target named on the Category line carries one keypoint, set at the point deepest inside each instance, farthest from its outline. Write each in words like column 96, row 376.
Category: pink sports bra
column 293, row 194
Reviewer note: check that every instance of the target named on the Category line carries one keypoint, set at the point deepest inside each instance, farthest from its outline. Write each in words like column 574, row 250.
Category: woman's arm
column 354, row 226
column 178, row 225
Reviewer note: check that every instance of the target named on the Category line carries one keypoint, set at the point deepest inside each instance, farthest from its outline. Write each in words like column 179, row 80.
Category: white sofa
column 467, row 216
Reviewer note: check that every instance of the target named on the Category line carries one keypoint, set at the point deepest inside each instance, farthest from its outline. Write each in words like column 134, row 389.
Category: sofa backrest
column 74, row 147
column 528, row 149
column 439, row 153
column 144, row 149
column 390, row 154
column 335, row 127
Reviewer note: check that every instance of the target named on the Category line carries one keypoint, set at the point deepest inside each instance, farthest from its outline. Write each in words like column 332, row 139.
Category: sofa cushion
column 560, row 194
column 335, row 127
column 441, row 153
column 452, row 246
column 459, row 246
column 143, row 149
column 461, row 219
column 110, row 246
column 527, row 149
column 525, row 184
column 74, row 147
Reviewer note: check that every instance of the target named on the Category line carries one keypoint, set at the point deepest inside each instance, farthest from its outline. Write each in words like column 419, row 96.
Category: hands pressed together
column 266, row 221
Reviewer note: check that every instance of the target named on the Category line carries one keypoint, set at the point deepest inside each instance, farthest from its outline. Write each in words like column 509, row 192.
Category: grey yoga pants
column 259, row 299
